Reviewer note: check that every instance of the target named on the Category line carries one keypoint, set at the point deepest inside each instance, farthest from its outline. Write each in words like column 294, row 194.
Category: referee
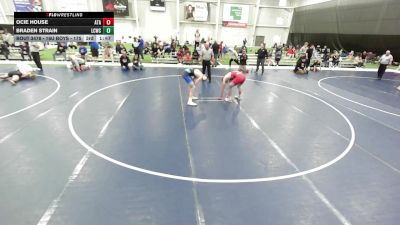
column 35, row 48
column 384, row 61
column 206, row 56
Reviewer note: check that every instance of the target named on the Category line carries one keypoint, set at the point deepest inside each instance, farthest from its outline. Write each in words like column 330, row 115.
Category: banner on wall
column 235, row 15
column 196, row 11
column 71, row 6
column 157, row 5
column 119, row 7
column 28, row 5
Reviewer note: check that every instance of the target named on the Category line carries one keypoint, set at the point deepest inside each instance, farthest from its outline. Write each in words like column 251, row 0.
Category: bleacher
column 166, row 59
column 285, row 61
column 15, row 54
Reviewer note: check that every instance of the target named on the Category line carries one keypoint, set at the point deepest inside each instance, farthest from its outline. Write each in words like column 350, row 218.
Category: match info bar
column 63, row 26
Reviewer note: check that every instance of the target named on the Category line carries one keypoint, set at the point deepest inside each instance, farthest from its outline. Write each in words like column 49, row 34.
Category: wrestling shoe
column 228, row 99
column 194, row 98
column 191, row 103
column 238, row 97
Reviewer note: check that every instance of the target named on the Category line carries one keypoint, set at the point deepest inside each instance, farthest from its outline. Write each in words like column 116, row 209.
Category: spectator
column 364, row 58
column 160, row 50
column 119, row 47
column 291, row 53
column 335, row 59
column 187, row 59
column 8, row 39
column 243, row 61
column 195, row 55
column 206, row 57
column 215, row 48
column 180, row 55
column 61, row 50
column 124, row 60
column 4, row 46
column 25, row 50
column 141, row 46
column 262, row 53
column 94, row 49
column 233, row 56
column 304, row 48
column 135, row 46
column 72, row 45
column 34, row 48
column 326, row 57
column 136, row 63
column 108, row 54
column 221, row 50
column 154, row 49
column 318, row 49
column 196, row 39
column 385, row 60
column 82, row 51
column 278, row 55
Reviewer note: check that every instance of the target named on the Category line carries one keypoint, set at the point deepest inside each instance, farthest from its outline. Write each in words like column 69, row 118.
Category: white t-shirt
column 197, row 37
column 386, row 59
column 24, row 68
column 233, row 53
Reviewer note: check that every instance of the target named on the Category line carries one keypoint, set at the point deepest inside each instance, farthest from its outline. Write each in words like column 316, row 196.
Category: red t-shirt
column 237, row 77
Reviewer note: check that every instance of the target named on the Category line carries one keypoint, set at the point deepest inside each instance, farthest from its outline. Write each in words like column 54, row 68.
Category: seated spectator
column 350, row 56
column 94, row 50
column 160, row 50
column 82, row 51
column 147, row 48
column 358, row 61
column 137, row 64
column 108, row 53
column 124, row 61
column 335, row 59
column 4, row 49
column 167, row 48
column 24, row 50
column 119, row 47
column 180, row 54
column 154, row 49
column 61, row 50
column 364, row 58
column 195, row 54
column 291, row 52
column 173, row 46
column 73, row 45
column 187, row 59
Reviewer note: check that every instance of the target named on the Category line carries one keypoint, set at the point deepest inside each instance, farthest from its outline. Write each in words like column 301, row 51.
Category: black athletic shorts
column 16, row 72
column 95, row 52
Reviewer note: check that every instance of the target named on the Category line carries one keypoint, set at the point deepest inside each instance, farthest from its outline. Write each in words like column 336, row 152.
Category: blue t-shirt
column 94, row 45
column 141, row 44
column 82, row 50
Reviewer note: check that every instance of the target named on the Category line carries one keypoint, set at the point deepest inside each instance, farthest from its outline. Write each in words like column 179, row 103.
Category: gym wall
column 358, row 25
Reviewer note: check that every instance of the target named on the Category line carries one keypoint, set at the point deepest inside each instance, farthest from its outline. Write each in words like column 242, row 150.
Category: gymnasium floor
column 293, row 151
